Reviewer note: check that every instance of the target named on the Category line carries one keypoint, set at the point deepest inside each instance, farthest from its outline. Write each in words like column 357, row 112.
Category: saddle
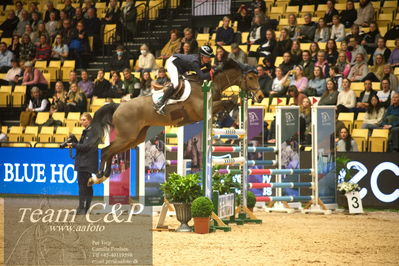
column 178, row 91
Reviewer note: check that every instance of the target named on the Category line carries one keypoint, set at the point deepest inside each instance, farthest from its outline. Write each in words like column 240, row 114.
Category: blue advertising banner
column 39, row 171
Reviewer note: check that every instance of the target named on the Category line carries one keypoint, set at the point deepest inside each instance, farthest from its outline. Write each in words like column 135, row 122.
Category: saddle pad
column 157, row 94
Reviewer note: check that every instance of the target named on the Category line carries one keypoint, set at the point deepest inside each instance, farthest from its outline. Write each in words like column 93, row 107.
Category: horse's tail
column 102, row 119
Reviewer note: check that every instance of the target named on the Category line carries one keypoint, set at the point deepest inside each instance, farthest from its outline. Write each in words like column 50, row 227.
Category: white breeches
column 173, row 72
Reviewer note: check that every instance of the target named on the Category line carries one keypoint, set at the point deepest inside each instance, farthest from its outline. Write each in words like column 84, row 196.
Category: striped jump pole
column 281, row 185
column 171, row 135
column 238, row 149
column 262, row 162
column 229, row 161
column 225, row 136
column 228, row 131
column 284, row 198
column 267, row 171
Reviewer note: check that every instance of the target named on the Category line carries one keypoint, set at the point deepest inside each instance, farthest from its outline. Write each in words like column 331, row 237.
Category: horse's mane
column 233, row 64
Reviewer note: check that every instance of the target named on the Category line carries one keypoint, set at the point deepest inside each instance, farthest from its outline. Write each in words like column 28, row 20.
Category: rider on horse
column 179, row 64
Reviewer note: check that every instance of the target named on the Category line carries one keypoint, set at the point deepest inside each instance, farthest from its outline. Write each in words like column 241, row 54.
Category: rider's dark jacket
column 191, row 62
column 86, row 153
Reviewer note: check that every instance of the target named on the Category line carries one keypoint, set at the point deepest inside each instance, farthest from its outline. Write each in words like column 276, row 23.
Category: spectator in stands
column 37, row 103
column 307, row 64
column 337, row 30
column 376, row 72
column 66, row 31
column 60, row 50
column 79, row 45
column 349, row 15
column 52, row 26
column 78, row 17
column 5, row 58
column 33, row 35
column 85, row 84
column 86, row 6
column 9, row 25
column 330, row 96
column 322, row 63
column 189, row 37
column 258, row 12
column 73, row 78
column 364, row 99
column 221, row 56
column 243, row 19
column 284, row 42
column 296, row 95
column 314, row 49
column 101, row 88
column 307, row 31
column 374, row 114
column 393, row 80
column 59, row 97
column 344, row 48
column 63, row 16
column 380, row 49
column 355, row 33
column 145, row 84
column 237, row 54
column 345, row 142
column 257, row 34
column 43, row 50
column 146, row 61
column 117, row 89
column 112, row 13
column 393, row 59
column 287, row 64
column 92, row 27
column 76, row 99
column 296, row 52
column 371, row 38
column 279, row 84
column 356, row 49
column 172, row 46
column 391, row 121
column 18, row 9
column 359, row 70
column 35, row 21
column 186, row 48
column 225, row 34
column 317, row 85
column 131, row 83
column 305, row 119
column 385, row 94
column 268, row 49
column 258, row 4
column 15, row 46
column 13, row 74
column 292, row 27
column 298, row 79
column 69, row 9
column 265, row 81
column 161, row 80
column 34, row 77
column 365, row 14
column 346, row 98
column 33, row 7
column 392, row 33
column 41, row 30
column 27, row 50
column 336, row 77
column 120, row 60
column 269, row 67
column 330, row 13
column 322, row 33
column 51, row 9
column 24, row 20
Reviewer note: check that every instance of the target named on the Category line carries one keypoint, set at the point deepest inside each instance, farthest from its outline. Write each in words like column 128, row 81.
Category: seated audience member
column 23, row 21
column 257, row 33
column 15, row 46
column 314, row 49
column 284, row 42
column 60, row 50
column 258, row 4
column 393, row 59
column 331, row 52
column 13, row 74
column 322, row 33
column 380, row 49
column 298, row 79
column 370, row 39
column 59, row 98
column 307, row 64
column 43, row 50
column 336, row 77
column 356, row 49
column 345, row 48
column 296, row 95
column 330, row 13
column 225, row 34
column 365, row 14
column 161, row 79
column 34, row 77
column 279, row 83
column 131, row 83
column 76, row 99
column 146, row 84
column 269, row 67
column 117, row 88
column 5, row 58
column 70, row 10
column 345, row 142
column 186, row 48
column 120, row 60
column 37, row 103
column 385, row 94
column 27, row 51
column 343, row 65
column 146, row 61
column 292, row 28
column 354, row 33
column 305, row 119
column 237, row 54
column 221, row 56
column 52, row 26
column 35, row 21
column 51, row 9
column 79, row 45
column 243, row 19
column 85, row 84
column 101, row 88
column 393, row 80
column 268, row 49
column 113, row 13
column 93, row 27
column 330, row 96
column 317, row 85
column 337, row 30
column 41, row 30
column 392, row 33
column 287, row 64
column 349, row 15
column 374, row 114
column 346, row 98
column 307, row 31
column 376, row 72
column 172, row 46
column 391, row 121
column 359, row 70
column 322, row 63
column 189, row 37
column 73, row 78
column 265, row 81
column 9, row 25
column 364, row 99
column 296, row 52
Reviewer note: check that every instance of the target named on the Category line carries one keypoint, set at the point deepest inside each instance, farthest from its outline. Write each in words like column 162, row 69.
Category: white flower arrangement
column 347, row 187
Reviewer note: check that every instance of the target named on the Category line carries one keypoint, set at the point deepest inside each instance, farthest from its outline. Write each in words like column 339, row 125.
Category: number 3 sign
column 354, row 202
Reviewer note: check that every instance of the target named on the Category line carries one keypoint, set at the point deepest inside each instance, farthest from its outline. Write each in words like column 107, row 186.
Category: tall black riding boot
column 161, row 104
column 81, row 208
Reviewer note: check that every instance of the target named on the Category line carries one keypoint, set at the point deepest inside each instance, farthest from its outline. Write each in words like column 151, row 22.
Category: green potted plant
column 251, row 200
column 223, row 183
column 201, row 210
column 181, row 191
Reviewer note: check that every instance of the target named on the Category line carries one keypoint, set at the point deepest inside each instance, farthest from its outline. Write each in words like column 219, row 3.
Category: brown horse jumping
column 132, row 119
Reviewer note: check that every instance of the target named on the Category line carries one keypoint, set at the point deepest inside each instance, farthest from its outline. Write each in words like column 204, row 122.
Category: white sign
column 354, row 202
column 226, row 205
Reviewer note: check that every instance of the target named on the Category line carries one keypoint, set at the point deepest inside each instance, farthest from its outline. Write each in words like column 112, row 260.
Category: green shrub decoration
column 251, row 199
column 182, row 189
column 222, row 183
column 201, row 207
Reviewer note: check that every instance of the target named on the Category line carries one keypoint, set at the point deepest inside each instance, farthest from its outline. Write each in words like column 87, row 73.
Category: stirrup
column 159, row 108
